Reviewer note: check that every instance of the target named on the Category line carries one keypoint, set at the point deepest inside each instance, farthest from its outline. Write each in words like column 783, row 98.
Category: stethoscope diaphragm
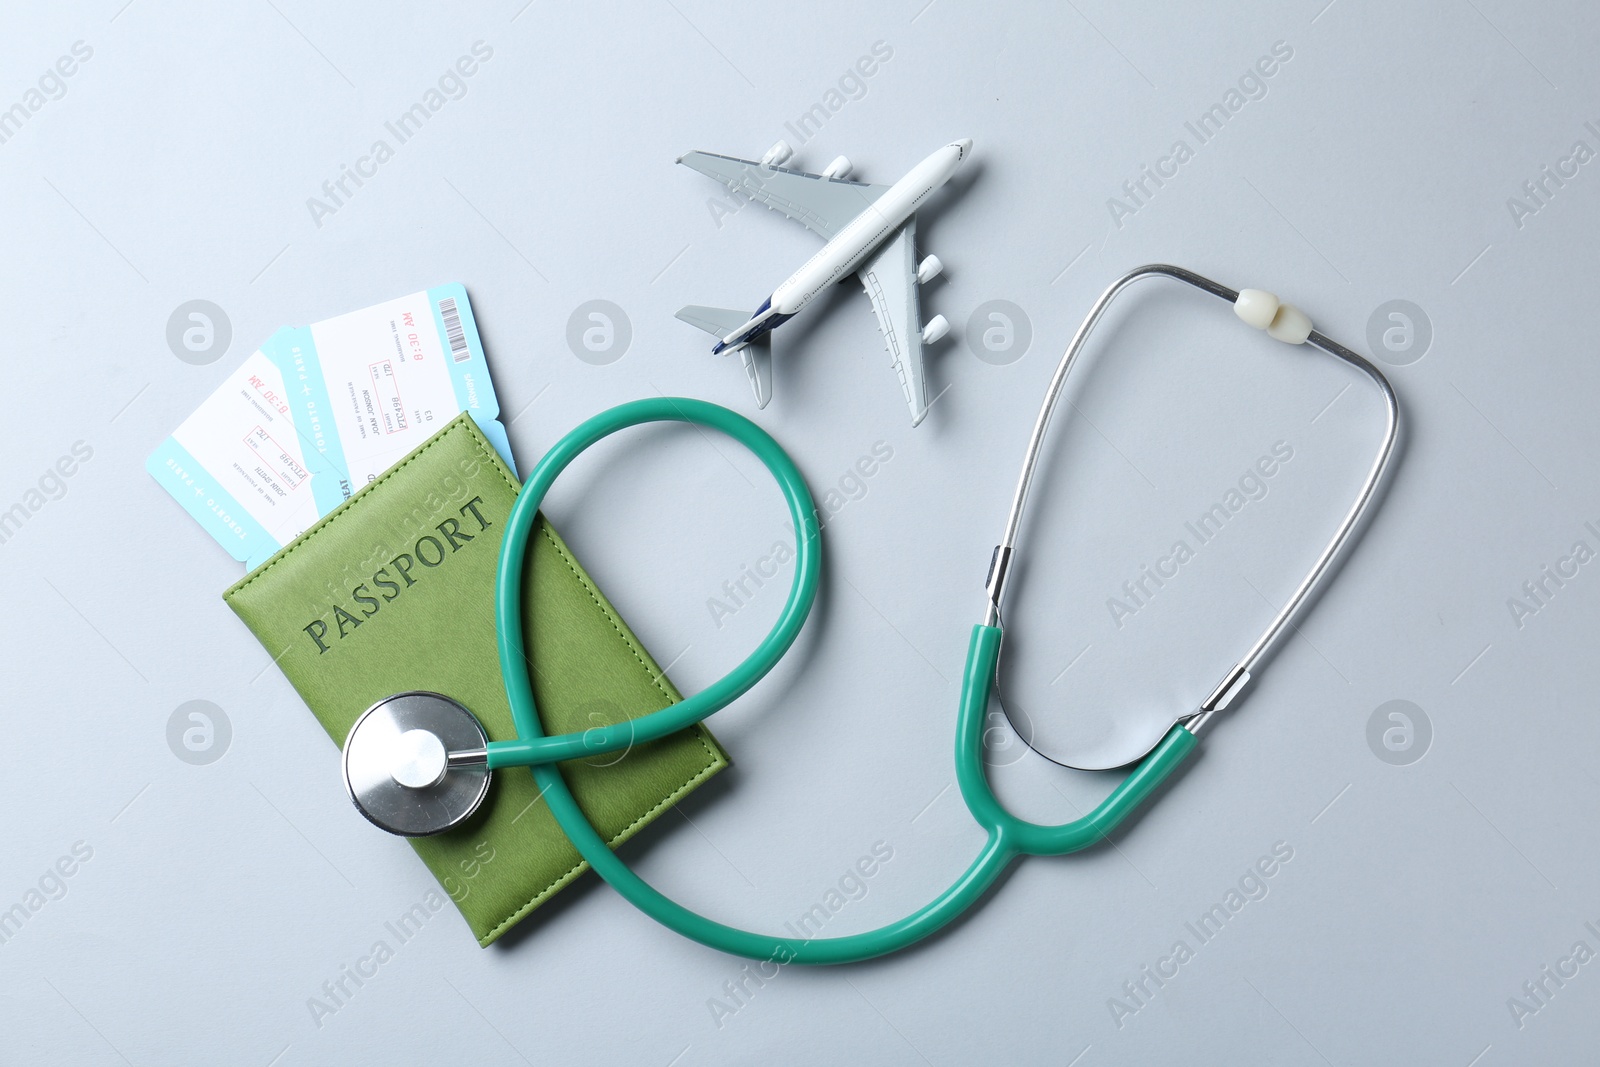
column 414, row 764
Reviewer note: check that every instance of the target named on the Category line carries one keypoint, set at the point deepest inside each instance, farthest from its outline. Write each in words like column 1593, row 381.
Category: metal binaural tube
column 1030, row 458
column 1237, row 676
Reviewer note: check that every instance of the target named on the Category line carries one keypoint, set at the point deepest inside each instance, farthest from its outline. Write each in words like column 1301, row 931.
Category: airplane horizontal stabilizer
column 717, row 321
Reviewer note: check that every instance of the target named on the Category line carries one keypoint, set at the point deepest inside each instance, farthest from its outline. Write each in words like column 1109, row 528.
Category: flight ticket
column 319, row 411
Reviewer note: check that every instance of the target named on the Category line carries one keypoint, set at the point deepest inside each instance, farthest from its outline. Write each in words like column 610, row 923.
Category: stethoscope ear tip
column 415, row 764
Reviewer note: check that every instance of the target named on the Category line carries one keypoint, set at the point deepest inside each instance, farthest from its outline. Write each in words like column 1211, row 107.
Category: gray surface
column 221, row 896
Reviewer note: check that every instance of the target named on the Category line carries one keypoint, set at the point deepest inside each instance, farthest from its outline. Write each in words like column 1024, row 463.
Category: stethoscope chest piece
column 414, row 764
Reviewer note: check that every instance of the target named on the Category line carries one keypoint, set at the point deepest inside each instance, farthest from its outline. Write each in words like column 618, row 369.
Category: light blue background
column 220, row 897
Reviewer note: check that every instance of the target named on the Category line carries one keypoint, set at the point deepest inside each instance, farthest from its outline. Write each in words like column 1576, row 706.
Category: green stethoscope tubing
column 1008, row 836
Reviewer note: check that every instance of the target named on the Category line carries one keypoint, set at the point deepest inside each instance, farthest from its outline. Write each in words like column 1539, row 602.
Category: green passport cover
column 393, row 591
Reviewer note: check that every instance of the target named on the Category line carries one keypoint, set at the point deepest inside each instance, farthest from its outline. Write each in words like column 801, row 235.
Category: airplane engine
column 935, row 328
column 929, row 269
column 777, row 155
column 839, row 168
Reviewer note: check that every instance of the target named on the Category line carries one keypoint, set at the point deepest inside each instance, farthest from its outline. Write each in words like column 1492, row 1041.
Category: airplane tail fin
column 757, row 356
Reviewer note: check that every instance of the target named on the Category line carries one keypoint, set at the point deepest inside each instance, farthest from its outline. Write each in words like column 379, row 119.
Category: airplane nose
column 965, row 144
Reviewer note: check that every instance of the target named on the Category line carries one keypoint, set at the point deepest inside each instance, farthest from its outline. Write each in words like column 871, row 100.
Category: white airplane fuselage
column 840, row 257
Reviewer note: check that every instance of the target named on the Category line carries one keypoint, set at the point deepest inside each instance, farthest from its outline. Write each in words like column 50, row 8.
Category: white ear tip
column 1256, row 307
column 1290, row 325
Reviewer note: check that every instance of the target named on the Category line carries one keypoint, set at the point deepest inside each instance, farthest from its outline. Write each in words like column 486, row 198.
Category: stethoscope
column 419, row 763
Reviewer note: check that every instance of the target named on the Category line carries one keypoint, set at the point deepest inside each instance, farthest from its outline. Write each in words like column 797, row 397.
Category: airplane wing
column 822, row 205
column 757, row 356
column 890, row 279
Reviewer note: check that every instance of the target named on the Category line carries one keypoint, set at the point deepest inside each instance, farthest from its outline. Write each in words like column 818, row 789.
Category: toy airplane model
column 870, row 230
